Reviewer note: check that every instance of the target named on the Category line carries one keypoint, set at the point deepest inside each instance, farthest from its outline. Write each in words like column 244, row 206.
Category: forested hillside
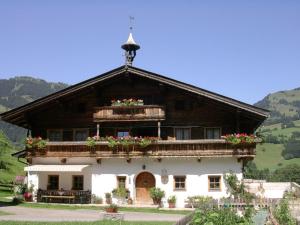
column 281, row 131
column 18, row 91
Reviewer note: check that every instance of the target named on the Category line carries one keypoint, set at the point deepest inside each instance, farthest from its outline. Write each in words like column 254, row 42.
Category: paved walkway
column 40, row 214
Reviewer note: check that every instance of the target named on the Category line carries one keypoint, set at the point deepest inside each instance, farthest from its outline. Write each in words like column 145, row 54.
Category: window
column 123, row 133
column 53, row 182
column 80, row 134
column 121, row 181
column 214, row 183
column 213, row 133
column 77, row 182
column 183, row 133
column 55, row 135
column 179, row 182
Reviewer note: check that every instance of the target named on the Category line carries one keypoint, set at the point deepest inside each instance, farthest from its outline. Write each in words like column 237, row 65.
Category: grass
column 269, row 156
column 122, row 209
column 85, row 223
column 6, row 193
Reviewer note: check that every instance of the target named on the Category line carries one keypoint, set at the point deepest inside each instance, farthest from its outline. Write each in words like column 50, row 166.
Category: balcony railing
column 129, row 113
column 159, row 149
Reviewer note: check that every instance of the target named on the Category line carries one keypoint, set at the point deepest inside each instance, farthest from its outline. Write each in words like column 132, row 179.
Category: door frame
column 134, row 180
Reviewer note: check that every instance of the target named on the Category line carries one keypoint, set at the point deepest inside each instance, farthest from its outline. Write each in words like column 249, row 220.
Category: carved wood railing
column 159, row 149
column 129, row 113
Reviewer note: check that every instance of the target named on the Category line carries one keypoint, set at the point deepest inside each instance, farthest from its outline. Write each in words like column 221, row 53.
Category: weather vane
column 131, row 18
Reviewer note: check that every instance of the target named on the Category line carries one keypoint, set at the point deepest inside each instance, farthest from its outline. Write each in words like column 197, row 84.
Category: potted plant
column 121, row 193
column 172, row 201
column 108, row 198
column 156, row 194
column 96, row 199
column 112, row 208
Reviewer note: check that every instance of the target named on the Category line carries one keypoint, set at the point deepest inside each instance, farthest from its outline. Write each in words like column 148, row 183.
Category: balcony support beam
column 158, row 129
column 98, row 129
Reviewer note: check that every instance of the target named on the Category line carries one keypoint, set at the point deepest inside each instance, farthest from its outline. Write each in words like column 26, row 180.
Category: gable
column 19, row 115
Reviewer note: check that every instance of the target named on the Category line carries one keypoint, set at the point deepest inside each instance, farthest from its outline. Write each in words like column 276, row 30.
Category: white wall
column 267, row 189
column 101, row 178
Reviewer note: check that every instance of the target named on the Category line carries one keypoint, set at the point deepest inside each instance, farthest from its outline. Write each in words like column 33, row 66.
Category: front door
column 144, row 181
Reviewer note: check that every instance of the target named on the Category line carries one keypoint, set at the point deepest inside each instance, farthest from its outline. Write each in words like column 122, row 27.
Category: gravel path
column 39, row 214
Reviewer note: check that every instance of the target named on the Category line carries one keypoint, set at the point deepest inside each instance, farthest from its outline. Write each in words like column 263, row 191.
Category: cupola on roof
column 130, row 48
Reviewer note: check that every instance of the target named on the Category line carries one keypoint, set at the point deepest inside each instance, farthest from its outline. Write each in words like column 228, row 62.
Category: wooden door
column 144, row 181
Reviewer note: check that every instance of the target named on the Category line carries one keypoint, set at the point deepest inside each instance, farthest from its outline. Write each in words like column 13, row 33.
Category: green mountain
column 281, row 131
column 18, row 91
column 284, row 106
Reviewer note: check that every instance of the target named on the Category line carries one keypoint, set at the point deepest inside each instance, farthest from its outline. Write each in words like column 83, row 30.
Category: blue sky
column 241, row 49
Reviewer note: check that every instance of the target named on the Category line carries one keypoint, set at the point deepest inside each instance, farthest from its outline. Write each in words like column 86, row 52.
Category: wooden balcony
column 160, row 149
column 129, row 113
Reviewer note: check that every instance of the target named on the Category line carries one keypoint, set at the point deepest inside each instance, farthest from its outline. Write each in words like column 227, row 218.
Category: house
column 187, row 158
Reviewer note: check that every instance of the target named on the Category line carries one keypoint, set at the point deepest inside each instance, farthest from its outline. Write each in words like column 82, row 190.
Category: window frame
column 80, row 129
column 189, row 130
column 76, row 189
column 118, row 181
column 174, row 183
column 206, row 128
column 59, row 130
column 123, row 130
column 53, row 175
column 209, row 182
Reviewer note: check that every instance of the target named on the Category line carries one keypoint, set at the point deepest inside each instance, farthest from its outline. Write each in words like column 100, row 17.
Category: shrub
column 219, row 217
column 120, row 192
column 157, row 194
column 282, row 213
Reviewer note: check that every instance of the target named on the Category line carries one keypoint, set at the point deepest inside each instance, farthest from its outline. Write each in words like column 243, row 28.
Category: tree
column 5, row 146
column 289, row 173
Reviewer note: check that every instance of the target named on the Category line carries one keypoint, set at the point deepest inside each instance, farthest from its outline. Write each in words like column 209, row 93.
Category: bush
column 17, row 200
column 157, row 194
column 289, row 173
column 282, row 213
column 219, row 217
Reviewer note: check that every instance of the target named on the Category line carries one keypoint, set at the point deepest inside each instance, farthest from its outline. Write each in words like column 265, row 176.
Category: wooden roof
column 12, row 116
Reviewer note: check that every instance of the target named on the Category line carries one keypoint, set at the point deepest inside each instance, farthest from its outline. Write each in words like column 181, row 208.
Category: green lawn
column 122, row 209
column 269, row 156
column 85, row 223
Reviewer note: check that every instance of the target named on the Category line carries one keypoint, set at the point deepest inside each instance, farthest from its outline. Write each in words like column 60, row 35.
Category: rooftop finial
column 130, row 46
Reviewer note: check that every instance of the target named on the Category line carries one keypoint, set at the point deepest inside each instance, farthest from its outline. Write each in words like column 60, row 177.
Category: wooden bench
column 70, row 197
